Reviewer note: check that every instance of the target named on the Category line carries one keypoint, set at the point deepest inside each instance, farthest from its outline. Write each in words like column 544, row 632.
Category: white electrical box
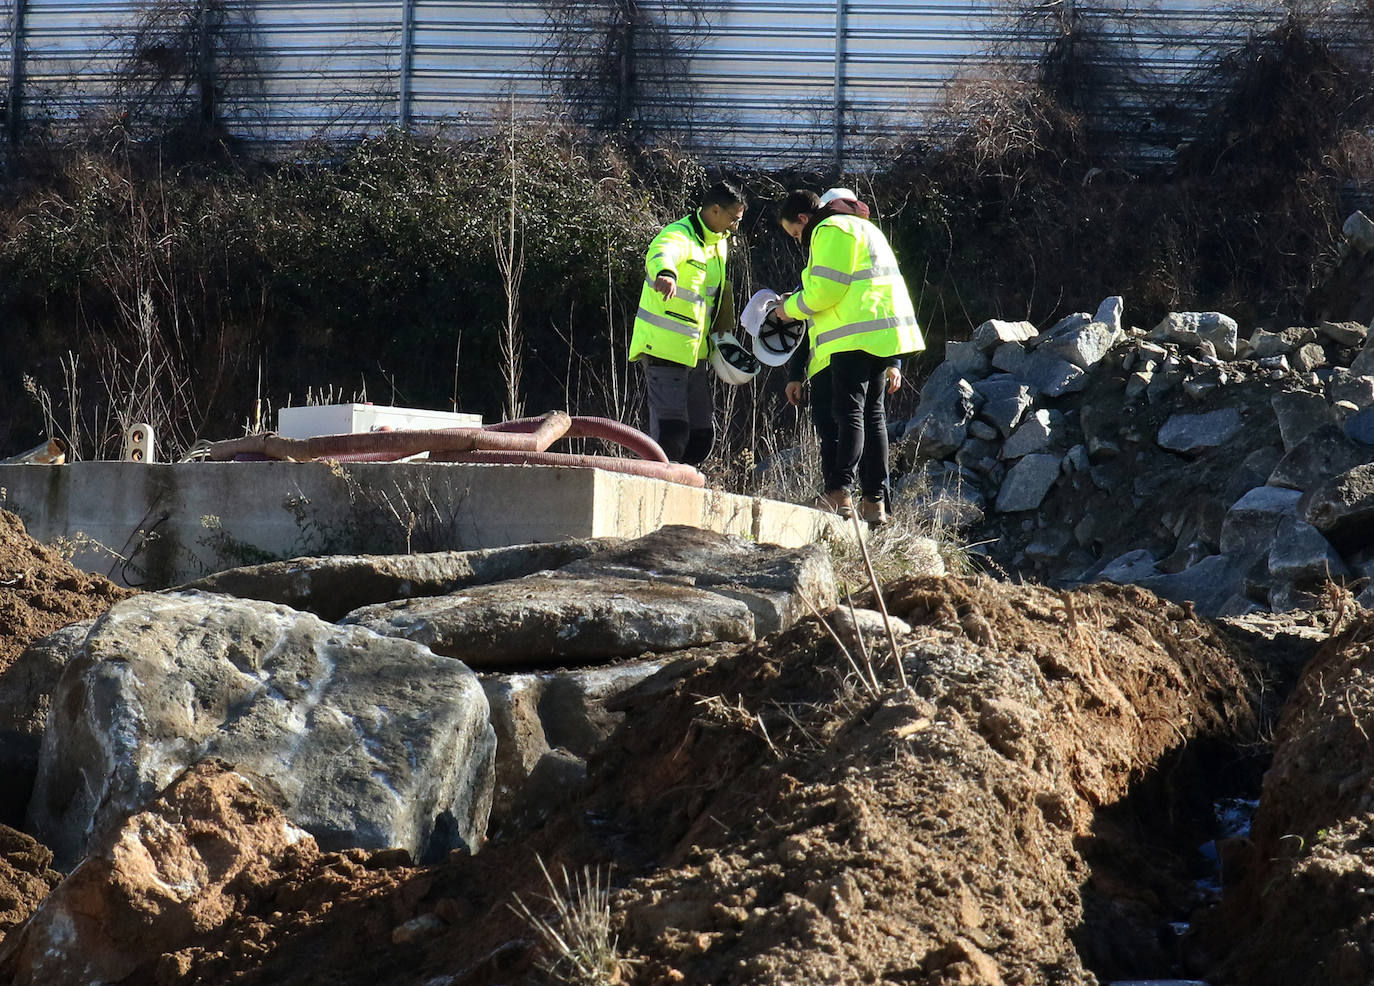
column 354, row 419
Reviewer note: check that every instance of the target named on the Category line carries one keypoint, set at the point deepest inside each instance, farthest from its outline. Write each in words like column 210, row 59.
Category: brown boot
column 836, row 502
column 873, row 512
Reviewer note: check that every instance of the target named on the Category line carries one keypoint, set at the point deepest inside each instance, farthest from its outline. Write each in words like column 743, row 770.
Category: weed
column 578, row 944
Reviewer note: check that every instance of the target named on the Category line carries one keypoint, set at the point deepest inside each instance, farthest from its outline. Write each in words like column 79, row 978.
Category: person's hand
column 665, row 286
column 776, row 314
column 793, row 392
column 894, row 379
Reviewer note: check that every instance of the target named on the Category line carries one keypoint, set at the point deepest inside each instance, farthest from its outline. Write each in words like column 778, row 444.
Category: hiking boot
column 873, row 512
column 836, row 502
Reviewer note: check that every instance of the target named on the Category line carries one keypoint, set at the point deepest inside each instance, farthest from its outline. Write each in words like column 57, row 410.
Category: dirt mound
column 1298, row 905
column 767, row 819
column 40, row 591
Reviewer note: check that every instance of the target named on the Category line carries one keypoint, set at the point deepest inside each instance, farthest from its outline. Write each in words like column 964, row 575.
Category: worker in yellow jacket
column 862, row 322
column 685, row 296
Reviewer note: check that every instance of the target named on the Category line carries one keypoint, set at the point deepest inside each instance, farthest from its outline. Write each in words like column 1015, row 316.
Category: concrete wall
column 151, row 526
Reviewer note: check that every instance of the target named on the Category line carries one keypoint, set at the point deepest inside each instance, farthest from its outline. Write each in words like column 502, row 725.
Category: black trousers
column 858, row 409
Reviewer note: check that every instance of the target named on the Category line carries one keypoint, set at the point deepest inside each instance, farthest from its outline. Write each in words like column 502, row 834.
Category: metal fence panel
column 767, row 81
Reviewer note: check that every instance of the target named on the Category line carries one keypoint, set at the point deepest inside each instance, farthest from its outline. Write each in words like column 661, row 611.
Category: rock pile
column 1225, row 468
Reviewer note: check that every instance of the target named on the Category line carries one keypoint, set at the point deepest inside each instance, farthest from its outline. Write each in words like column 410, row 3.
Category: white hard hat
column 756, row 309
column 773, row 343
column 732, row 362
column 831, row 194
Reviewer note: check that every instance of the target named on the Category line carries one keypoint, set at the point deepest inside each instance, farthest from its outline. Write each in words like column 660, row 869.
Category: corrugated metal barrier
column 801, row 81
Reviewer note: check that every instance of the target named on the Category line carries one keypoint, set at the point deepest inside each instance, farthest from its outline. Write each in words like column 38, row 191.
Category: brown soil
column 1027, row 812
column 40, row 591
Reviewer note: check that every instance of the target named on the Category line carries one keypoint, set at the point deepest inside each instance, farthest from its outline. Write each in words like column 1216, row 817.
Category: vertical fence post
column 407, row 62
column 841, row 12
column 14, row 101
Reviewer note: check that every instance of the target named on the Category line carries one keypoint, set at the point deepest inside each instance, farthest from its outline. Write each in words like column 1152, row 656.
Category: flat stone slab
column 553, row 618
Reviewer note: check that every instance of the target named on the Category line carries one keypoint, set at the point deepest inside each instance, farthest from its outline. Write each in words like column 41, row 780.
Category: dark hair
column 725, row 194
column 798, row 201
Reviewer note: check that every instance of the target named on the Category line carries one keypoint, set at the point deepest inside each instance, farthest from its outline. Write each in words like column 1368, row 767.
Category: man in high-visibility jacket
column 862, row 322
column 685, row 296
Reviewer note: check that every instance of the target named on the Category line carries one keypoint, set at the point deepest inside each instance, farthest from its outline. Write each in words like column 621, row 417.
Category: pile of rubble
column 1229, row 469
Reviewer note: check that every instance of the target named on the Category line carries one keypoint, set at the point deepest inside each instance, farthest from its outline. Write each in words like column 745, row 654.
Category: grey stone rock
column 1190, row 329
column 1302, row 556
column 1349, row 334
column 1363, row 364
column 980, row 431
column 1013, row 358
column 331, row 586
column 1138, row 383
column 1065, row 326
column 1264, row 344
column 26, row 688
column 1324, row 453
column 1129, row 568
column 1309, row 357
column 1299, row 413
column 1358, row 231
column 1109, row 313
column 1254, row 470
column 361, row 740
column 1252, row 521
column 1208, row 585
column 994, row 332
column 966, row 359
column 1005, row 402
column 1342, row 508
column 1027, row 483
column 1036, row 434
column 1356, row 390
column 1053, row 376
column 1189, row 434
column 941, row 387
column 1084, row 346
column 1359, row 427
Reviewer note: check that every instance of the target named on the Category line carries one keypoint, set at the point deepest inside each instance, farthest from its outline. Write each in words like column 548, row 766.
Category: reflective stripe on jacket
column 854, row 294
column 675, row 329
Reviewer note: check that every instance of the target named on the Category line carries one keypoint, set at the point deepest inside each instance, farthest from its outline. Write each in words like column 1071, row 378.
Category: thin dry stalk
column 870, row 680
column 882, row 606
column 581, row 948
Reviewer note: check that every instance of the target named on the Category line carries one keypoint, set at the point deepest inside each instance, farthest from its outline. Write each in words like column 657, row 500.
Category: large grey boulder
column 1191, row 329
column 1036, row 434
column 994, row 332
column 1083, row 345
column 1005, row 401
column 331, row 586
column 1299, row 413
column 361, row 740
column 940, row 424
column 1209, row 585
column 1302, row 556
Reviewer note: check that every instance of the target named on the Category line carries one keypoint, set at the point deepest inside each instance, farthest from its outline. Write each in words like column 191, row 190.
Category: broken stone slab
column 162, row 880
column 559, row 619
column 1363, row 364
column 1356, row 390
column 1013, row 358
column 1324, row 453
column 1264, row 343
column 1027, row 483
column 941, row 422
column 1302, row 556
column 334, row 585
column 940, row 388
column 1308, row 358
column 1299, row 413
column 1128, row 568
column 1209, row 585
column 1190, row 329
column 770, row 580
column 994, row 332
column 1253, row 520
column 364, row 741
column 1189, row 434
column 1066, row 325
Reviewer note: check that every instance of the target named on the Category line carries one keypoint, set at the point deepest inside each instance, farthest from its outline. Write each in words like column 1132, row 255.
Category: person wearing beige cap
column 862, row 323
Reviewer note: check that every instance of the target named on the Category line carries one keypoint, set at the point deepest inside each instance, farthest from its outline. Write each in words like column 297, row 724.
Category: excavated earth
column 1037, row 804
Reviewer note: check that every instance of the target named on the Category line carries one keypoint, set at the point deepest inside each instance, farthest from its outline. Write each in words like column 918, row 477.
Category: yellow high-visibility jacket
column 676, row 329
column 854, row 294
